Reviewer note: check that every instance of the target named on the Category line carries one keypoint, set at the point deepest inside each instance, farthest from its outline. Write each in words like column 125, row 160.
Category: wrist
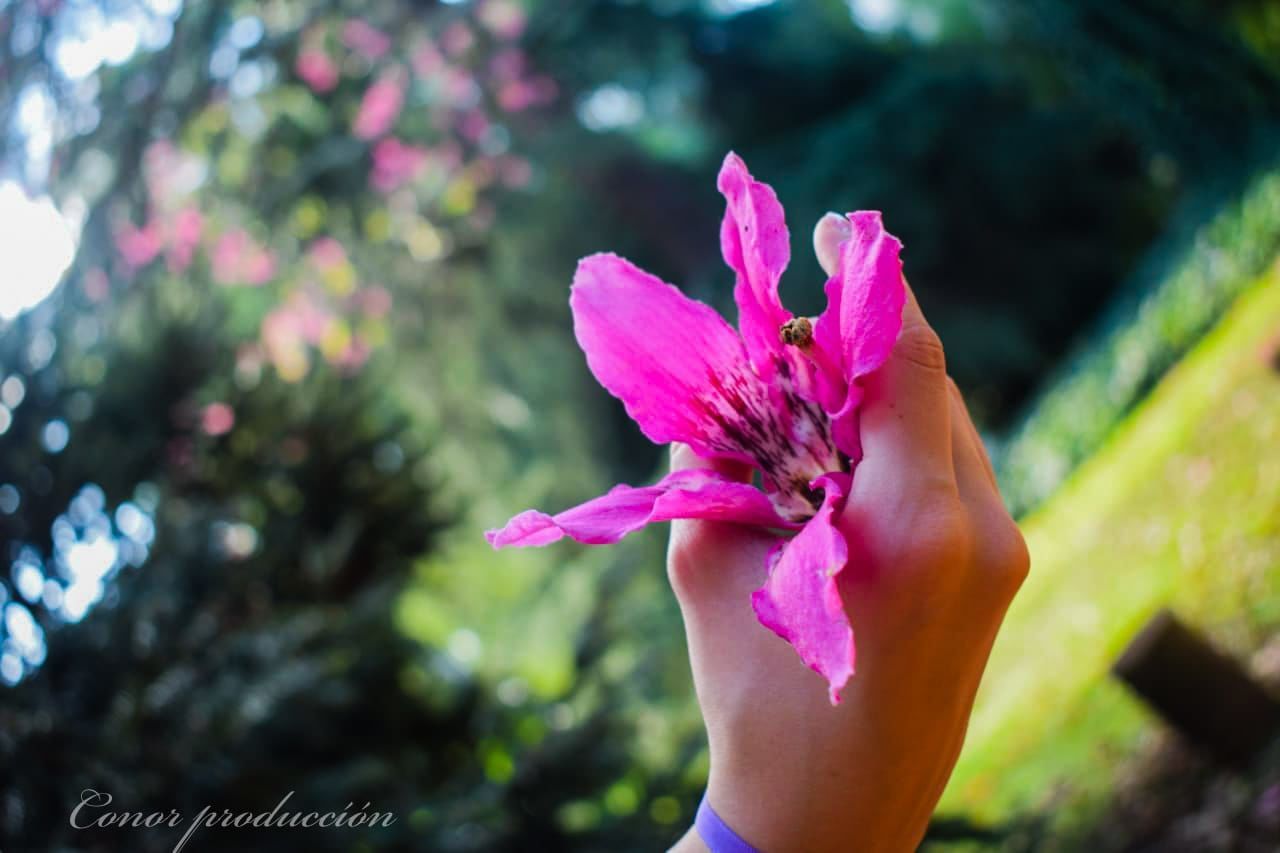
column 823, row 809
column 690, row 842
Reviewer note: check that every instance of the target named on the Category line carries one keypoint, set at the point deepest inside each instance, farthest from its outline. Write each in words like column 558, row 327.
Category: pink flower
column 457, row 39
column 317, row 69
column 327, row 253
column 380, row 106
column 217, row 419
column 426, row 59
column 238, row 259
column 283, row 344
column 352, row 357
column 184, row 237
column 519, row 95
column 365, row 39
column 503, row 18
column 139, row 246
column 508, row 64
column 474, row 125
column 781, row 394
column 395, row 163
column 459, row 87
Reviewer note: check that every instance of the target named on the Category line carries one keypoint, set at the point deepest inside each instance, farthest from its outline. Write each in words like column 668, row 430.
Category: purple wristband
column 716, row 834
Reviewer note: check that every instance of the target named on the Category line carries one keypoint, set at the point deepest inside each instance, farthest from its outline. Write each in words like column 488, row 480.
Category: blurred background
column 284, row 327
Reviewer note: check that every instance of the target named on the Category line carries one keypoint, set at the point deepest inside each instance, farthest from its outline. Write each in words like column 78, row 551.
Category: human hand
column 934, row 560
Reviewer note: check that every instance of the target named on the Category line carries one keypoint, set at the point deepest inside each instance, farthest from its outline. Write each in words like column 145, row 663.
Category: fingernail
column 832, row 230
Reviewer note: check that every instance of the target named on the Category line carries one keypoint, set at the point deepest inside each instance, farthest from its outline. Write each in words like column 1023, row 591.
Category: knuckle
column 1007, row 556
column 920, row 345
column 941, row 534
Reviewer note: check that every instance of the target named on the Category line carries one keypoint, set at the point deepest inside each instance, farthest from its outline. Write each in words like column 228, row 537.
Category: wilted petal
column 856, row 332
column 692, row 493
column 800, row 601
column 756, row 246
column 677, row 366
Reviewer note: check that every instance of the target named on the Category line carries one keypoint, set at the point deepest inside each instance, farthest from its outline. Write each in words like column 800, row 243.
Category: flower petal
column 692, row 493
column 678, row 367
column 856, row 332
column 756, row 246
column 864, row 298
column 800, row 601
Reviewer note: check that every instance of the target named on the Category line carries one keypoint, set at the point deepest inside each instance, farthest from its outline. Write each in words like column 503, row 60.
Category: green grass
column 1185, row 290
column 1181, row 507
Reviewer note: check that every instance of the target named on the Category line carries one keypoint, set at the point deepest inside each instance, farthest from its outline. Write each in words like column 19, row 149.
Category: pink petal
column 678, row 367
column 756, row 246
column 380, row 106
column 317, row 70
column 800, row 601
column 864, row 297
column 683, row 494
column 365, row 39
column 139, row 246
column 856, row 332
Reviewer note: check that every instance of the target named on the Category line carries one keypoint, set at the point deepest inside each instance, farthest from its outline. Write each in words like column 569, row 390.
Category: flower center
column 787, row 436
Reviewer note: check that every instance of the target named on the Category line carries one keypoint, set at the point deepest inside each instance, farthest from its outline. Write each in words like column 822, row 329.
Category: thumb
column 685, row 458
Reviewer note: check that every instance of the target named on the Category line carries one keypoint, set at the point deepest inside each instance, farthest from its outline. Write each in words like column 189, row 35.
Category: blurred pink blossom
column 217, row 419
column 353, row 356
column 474, row 125
column 519, row 95
column 517, row 90
column 280, row 328
column 317, row 69
column 380, row 106
column 238, row 259
column 396, row 163
column 457, row 39
column 184, row 237
column 282, row 342
column 365, row 39
column 459, row 87
column 139, row 246
column 508, row 64
column 327, row 253
column 426, row 59
column 305, row 317
column 504, row 18
column 374, row 301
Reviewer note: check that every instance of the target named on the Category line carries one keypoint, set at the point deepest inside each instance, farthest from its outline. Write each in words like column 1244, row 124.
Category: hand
column 934, row 560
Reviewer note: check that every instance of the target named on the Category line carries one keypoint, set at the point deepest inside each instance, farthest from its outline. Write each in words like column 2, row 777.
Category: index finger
column 905, row 417
column 906, row 413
